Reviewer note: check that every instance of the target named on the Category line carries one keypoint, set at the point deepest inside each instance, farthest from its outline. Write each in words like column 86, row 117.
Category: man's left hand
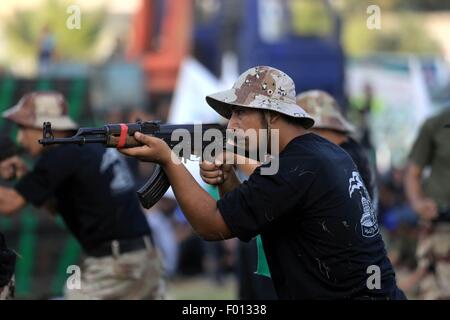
column 153, row 150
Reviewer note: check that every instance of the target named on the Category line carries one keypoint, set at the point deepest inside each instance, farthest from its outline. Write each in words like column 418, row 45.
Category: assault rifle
column 122, row 136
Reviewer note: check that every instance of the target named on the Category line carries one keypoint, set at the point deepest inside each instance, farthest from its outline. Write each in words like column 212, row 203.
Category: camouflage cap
column 264, row 88
column 325, row 111
column 35, row 108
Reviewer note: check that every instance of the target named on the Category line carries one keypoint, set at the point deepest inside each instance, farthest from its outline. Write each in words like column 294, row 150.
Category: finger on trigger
column 143, row 138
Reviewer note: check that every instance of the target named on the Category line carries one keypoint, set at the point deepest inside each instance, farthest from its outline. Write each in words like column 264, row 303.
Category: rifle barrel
column 78, row 140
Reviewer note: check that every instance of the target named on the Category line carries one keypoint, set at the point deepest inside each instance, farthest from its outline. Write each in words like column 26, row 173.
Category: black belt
column 120, row 246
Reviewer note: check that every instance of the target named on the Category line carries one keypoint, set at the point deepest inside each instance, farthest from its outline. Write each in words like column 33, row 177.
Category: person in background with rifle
column 429, row 196
column 93, row 190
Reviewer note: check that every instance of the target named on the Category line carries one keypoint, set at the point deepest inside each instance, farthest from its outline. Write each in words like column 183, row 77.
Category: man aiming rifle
column 318, row 226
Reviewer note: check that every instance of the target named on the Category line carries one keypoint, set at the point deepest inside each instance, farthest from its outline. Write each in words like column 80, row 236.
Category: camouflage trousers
column 7, row 292
column 433, row 254
column 135, row 275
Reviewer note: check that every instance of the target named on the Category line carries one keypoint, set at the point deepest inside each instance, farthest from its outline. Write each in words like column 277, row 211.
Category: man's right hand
column 12, row 168
column 426, row 208
column 215, row 173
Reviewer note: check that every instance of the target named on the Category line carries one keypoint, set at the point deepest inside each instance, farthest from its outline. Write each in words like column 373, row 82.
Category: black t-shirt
column 93, row 191
column 318, row 227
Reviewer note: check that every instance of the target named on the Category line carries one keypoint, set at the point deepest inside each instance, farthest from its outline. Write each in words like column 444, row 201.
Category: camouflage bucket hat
column 38, row 107
column 263, row 88
column 325, row 111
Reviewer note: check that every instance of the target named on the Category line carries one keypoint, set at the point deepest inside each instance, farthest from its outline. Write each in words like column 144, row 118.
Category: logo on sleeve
column 369, row 223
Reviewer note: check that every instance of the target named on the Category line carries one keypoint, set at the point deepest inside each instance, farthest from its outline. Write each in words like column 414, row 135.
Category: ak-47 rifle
column 122, row 136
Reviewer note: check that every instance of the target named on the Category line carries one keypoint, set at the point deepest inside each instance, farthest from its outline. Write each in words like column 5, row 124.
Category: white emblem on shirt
column 369, row 223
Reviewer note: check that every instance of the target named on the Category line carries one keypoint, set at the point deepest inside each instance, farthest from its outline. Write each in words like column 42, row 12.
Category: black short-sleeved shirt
column 318, row 227
column 93, row 190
